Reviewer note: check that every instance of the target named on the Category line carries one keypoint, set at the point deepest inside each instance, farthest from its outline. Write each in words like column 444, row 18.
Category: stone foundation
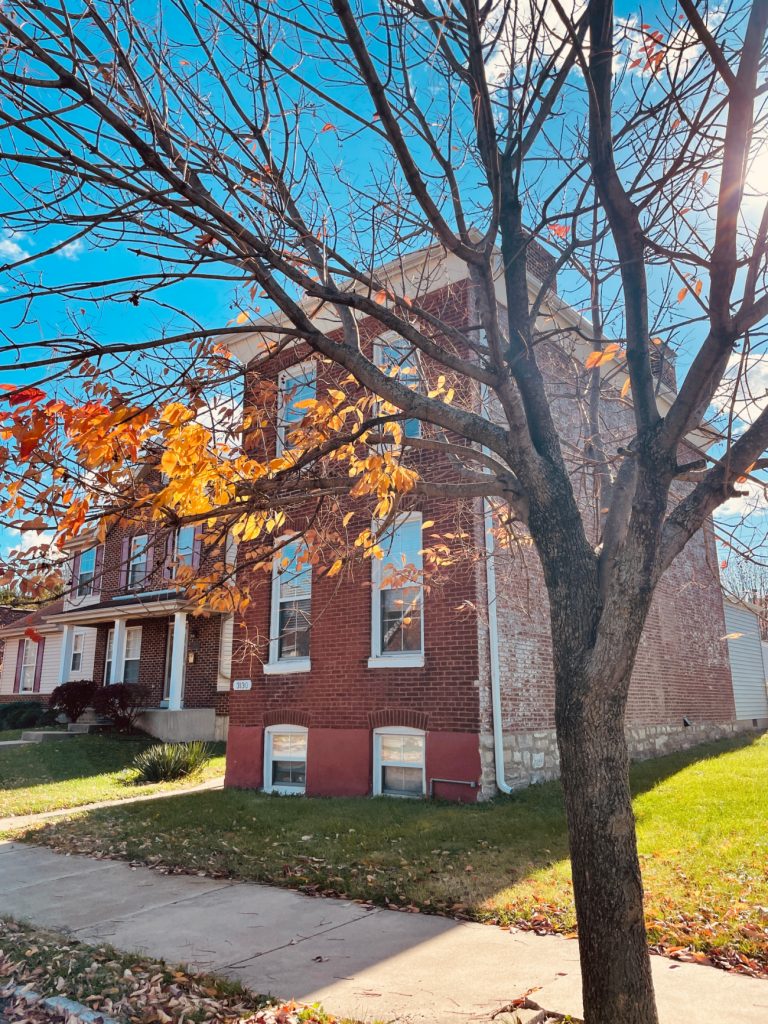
column 531, row 757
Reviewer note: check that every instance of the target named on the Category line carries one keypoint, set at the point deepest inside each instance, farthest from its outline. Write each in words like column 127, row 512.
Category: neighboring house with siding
column 363, row 685
column 746, row 652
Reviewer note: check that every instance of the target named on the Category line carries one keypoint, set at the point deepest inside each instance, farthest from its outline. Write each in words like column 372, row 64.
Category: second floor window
column 138, row 562
column 184, row 553
column 86, row 573
column 399, row 360
column 28, row 666
column 295, row 385
column 291, row 604
column 398, row 623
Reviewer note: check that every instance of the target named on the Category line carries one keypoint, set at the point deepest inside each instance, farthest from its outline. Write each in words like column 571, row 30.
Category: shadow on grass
column 439, row 856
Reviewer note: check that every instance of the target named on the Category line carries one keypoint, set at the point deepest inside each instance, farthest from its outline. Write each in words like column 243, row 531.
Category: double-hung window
column 398, row 359
column 290, row 618
column 397, row 620
column 295, row 385
column 86, row 572
column 78, row 639
column 138, row 560
column 285, row 759
column 399, row 762
column 28, row 666
column 184, row 548
column 131, row 660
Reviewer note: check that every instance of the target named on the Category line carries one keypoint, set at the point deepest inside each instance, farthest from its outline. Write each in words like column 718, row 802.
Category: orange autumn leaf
column 698, row 286
column 561, row 230
column 328, row 128
column 625, row 387
column 682, row 293
column 33, row 634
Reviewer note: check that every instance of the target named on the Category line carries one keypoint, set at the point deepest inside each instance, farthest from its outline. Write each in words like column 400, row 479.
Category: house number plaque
column 241, row 684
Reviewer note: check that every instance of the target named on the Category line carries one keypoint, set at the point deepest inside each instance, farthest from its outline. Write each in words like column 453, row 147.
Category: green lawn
column 10, row 734
column 69, row 773
column 701, row 825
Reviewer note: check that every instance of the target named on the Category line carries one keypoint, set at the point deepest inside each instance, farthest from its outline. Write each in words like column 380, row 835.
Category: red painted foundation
column 340, row 762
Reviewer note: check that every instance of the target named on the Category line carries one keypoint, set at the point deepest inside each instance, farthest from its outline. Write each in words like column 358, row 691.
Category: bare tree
column 284, row 153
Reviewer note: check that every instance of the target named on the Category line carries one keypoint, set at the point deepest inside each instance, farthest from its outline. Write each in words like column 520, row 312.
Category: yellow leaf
column 625, row 387
column 346, row 519
column 169, row 462
column 336, row 567
column 592, row 360
column 656, row 341
column 427, row 524
column 241, row 318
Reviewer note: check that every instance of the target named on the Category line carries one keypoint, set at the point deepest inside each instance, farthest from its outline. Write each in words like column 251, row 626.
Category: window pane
column 137, row 565
column 289, row 773
column 77, row 659
column 294, row 571
column 132, row 643
column 185, row 544
column 399, row 360
column 293, row 743
column 294, row 629
column 402, row 558
column 131, row 672
column 400, row 620
column 402, row 748
column 404, row 781
column 86, row 572
column 295, row 386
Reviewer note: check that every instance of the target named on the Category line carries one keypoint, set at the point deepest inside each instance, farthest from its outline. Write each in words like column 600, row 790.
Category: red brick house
column 356, row 685
column 123, row 618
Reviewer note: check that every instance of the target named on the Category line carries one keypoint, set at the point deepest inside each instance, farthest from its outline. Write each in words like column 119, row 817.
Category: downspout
column 493, row 643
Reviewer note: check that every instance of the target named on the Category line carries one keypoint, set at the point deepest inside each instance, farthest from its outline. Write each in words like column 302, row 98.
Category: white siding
column 746, row 656
column 225, row 652
column 49, row 678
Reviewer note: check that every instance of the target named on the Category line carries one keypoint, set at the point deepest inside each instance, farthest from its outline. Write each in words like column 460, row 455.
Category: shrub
column 73, row 698
column 121, row 703
column 25, row 714
column 164, row 762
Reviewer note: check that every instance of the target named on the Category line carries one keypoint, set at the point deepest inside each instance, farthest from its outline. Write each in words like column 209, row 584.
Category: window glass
column 288, row 761
column 292, row 595
column 400, row 758
column 87, row 571
column 137, row 560
column 296, row 385
column 77, row 652
column 185, row 545
column 132, row 660
column 28, row 664
column 397, row 358
column 400, row 589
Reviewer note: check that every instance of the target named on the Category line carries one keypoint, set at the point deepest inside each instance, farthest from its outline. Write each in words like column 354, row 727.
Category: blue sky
column 210, row 303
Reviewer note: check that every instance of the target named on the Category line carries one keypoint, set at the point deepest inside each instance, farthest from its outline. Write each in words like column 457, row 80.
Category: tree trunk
column 615, row 962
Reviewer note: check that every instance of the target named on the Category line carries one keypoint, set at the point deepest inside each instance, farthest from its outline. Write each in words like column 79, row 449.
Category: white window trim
column 391, row 338
column 289, row 373
column 396, row 730
column 268, row 734
column 285, row 666
column 399, row 659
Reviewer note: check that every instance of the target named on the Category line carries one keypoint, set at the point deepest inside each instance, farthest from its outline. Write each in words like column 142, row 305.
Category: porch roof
column 128, row 606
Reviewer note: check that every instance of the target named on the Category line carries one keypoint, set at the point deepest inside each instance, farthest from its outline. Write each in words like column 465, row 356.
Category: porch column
column 178, row 653
column 118, row 651
column 65, row 654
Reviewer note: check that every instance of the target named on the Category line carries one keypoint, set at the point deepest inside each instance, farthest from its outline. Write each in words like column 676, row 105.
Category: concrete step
column 81, row 728
column 34, row 736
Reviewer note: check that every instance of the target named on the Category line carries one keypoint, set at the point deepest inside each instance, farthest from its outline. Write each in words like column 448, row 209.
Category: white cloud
column 29, row 539
column 533, row 28
column 743, row 392
column 753, row 503
column 73, row 250
column 10, row 247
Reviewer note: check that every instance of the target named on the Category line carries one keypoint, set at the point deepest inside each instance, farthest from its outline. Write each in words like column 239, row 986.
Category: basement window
column 285, row 759
column 398, row 762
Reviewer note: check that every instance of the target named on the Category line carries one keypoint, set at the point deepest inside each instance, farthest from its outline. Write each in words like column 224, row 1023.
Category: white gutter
column 493, row 644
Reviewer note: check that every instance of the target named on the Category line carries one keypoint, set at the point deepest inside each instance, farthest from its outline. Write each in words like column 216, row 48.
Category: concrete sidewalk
column 359, row 962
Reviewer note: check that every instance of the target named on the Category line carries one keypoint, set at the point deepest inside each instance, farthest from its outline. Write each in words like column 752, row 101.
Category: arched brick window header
column 287, row 717
column 398, row 716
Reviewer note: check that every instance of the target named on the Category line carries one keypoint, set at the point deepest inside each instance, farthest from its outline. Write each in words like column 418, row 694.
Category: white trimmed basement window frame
column 383, row 761
column 288, row 738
